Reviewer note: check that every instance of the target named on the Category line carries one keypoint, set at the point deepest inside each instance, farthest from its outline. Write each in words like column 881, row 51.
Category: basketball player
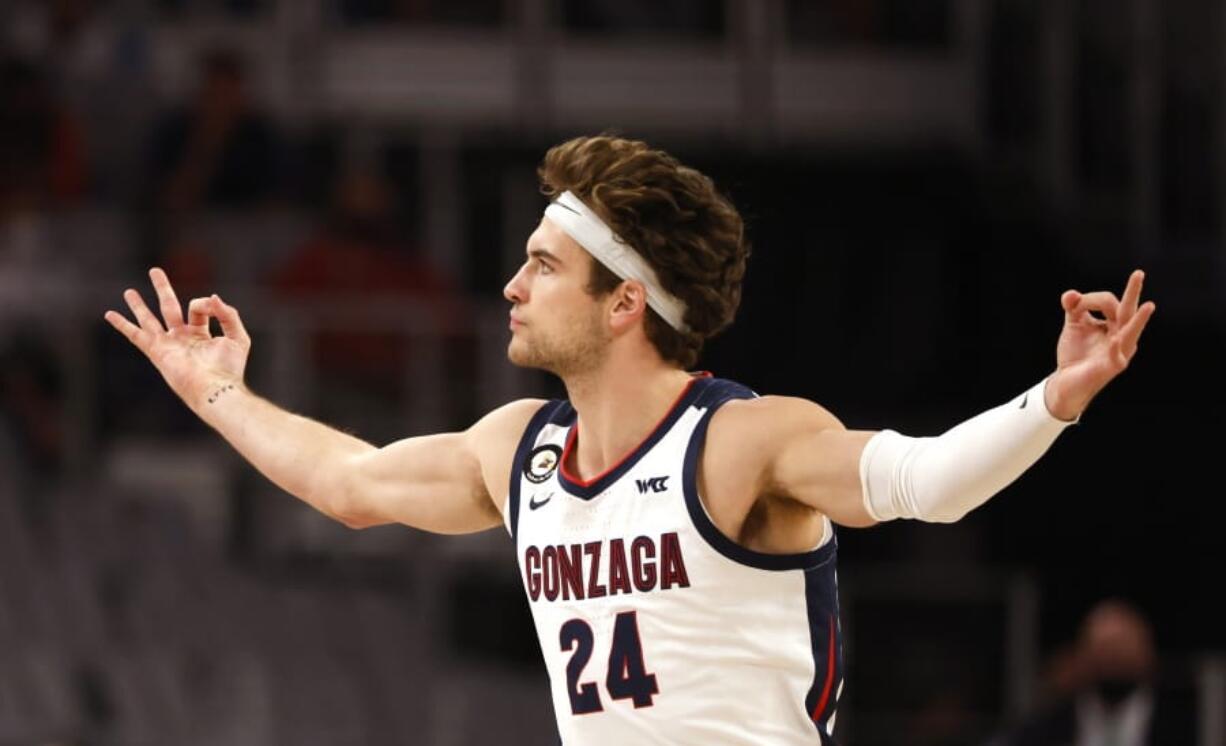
column 673, row 530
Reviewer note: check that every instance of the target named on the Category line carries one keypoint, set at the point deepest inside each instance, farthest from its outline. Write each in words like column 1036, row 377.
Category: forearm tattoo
column 220, row 392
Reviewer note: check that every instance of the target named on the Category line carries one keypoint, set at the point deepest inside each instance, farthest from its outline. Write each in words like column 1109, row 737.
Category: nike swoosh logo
column 1025, row 398
column 533, row 504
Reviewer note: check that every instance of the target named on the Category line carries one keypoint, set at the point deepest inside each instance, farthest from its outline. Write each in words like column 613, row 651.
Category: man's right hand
column 194, row 363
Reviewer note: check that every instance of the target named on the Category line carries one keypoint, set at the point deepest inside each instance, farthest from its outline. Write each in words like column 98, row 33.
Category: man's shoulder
column 773, row 416
column 505, row 425
column 746, row 435
column 493, row 440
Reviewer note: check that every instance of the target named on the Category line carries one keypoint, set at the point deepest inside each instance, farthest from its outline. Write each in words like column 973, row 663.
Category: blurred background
column 921, row 180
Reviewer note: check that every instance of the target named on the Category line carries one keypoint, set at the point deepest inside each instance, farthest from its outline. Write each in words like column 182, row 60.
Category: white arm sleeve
column 942, row 479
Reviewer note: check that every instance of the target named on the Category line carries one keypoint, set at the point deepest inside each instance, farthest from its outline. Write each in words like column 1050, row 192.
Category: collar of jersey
column 590, row 488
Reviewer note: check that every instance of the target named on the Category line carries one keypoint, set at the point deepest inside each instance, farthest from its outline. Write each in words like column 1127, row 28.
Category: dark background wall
column 920, row 180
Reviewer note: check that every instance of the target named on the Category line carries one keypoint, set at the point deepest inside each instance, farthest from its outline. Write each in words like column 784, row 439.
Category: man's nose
column 514, row 289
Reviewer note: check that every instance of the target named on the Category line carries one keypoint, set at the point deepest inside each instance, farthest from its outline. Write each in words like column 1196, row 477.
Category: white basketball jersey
column 655, row 627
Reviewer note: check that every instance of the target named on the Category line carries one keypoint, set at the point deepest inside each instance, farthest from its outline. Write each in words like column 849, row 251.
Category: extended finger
column 1132, row 296
column 172, row 311
column 231, row 324
column 1130, row 334
column 134, row 333
column 143, row 315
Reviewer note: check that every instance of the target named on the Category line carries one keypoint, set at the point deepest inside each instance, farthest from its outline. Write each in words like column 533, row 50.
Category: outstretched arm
column 858, row 478
column 438, row 483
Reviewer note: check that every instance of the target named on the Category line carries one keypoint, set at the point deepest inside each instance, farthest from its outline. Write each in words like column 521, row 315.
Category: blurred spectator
column 360, row 253
column 219, row 151
column 30, row 405
column 1108, row 691
column 42, row 161
column 69, row 38
column 92, row 57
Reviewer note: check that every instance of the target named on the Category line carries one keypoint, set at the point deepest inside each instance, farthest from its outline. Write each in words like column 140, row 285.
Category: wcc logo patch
column 654, row 484
column 542, row 463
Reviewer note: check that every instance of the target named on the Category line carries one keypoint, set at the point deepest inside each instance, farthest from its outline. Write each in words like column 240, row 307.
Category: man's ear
column 629, row 305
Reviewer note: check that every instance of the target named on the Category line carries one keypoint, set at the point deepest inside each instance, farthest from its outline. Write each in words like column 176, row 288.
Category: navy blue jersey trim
column 702, row 522
column 564, row 414
column 822, row 605
column 526, row 441
column 590, row 490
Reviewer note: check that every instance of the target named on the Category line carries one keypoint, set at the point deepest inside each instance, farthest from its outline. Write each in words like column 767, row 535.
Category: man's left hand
column 1092, row 349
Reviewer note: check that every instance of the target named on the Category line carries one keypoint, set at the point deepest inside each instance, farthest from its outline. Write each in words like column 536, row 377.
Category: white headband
column 586, row 227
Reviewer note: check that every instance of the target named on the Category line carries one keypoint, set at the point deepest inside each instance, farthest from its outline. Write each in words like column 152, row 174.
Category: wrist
column 208, row 402
column 1058, row 402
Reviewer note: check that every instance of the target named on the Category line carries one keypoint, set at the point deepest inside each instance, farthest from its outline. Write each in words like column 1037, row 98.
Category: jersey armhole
column 716, row 539
column 526, row 441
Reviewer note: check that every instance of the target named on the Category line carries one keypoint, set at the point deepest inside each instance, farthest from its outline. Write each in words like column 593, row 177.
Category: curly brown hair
column 672, row 215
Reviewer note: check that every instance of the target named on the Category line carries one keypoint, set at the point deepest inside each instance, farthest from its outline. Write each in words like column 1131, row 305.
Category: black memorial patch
column 542, row 463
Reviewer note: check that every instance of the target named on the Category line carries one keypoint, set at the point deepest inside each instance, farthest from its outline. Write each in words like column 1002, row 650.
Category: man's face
column 556, row 325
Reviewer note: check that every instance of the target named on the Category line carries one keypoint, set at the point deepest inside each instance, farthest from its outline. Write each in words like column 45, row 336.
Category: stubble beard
column 579, row 347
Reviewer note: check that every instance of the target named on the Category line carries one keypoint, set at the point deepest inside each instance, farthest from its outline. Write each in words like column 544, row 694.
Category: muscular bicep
column 810, row 457
column 449, row 483
column 822, row 469
column 431, row 482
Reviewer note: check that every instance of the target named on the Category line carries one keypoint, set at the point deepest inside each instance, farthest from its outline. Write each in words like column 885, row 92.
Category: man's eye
column 546, row 269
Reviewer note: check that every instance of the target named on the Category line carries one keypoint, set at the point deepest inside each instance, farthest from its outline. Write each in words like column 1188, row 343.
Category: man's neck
column 618, row 407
